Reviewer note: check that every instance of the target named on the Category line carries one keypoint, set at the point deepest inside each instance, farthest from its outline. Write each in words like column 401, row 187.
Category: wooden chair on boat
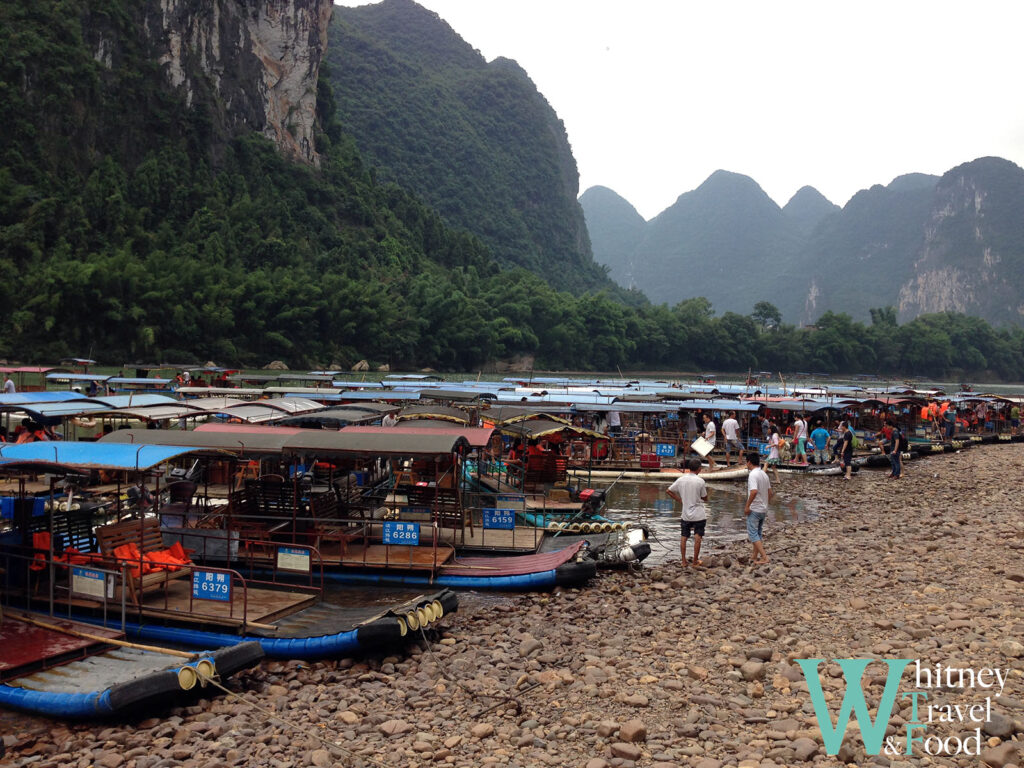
column 175, row 513
column 262, row 509
column 327, row 526
column 115, row 541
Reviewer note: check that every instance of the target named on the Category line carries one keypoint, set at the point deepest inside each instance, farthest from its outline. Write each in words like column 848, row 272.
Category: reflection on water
column 648, row 504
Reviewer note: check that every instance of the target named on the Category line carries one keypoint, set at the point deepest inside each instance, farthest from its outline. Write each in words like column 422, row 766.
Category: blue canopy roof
column 39, row 397
column 373, row 396
column 136, row 380
column 52, row 412
column 714, row 405
column 97, row 377
column 140, row 400
column 74, row 455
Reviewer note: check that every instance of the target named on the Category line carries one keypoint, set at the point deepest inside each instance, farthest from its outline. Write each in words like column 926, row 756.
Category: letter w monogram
column 853, row 701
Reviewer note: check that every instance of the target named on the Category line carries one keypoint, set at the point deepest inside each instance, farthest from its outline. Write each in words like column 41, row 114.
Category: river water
column 648, row 504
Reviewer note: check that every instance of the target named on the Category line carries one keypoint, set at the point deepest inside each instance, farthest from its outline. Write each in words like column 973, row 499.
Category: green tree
column 766, row 315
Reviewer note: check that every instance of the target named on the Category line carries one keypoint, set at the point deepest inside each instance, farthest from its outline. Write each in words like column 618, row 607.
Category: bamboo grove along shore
column 214, row 517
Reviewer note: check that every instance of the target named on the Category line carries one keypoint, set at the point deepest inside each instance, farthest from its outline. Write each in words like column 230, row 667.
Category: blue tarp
column 7, row 506
column 74, row 455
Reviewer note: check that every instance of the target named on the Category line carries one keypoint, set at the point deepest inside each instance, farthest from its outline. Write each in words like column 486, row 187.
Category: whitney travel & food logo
column 927, row 680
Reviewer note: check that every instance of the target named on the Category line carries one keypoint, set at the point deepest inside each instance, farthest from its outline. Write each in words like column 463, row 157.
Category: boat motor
column 593, row 500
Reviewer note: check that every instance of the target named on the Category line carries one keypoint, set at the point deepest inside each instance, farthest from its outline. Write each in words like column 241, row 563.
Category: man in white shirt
column 800, row 438
column 691, row 492
column 731, row 430
column 711, row 435
column 614, row 423
column 759, row 493
column 8, row 386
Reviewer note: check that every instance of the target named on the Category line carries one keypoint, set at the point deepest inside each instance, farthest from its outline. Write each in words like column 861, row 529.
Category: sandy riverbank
column 667, row 667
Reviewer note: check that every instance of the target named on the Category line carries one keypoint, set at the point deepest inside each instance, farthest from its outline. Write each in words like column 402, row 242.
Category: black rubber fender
column 449, row 601
column 237, row 657
column 575, row 573
column 385, row 631
column 145, row 693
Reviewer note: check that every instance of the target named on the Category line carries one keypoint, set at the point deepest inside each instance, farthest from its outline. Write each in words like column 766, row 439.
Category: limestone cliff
column 253, row 63
column 971, row 257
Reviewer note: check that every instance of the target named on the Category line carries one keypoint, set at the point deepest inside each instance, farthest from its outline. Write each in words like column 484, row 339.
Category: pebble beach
column 664, row 667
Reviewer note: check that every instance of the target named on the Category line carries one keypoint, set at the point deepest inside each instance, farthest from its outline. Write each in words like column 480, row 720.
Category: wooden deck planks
column 388, row 556
column 523, row 538
column 256, row 604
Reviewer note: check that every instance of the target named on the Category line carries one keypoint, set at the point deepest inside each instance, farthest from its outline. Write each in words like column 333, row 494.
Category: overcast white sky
column 658, row 94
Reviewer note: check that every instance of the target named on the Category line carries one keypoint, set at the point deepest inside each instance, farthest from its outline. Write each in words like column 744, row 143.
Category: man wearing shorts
column 691, row 492
column 731, row 430
column 800, row 438
column 820, row 439
column 759, row 493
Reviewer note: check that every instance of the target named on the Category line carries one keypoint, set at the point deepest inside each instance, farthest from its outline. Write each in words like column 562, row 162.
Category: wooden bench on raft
column 139, row 545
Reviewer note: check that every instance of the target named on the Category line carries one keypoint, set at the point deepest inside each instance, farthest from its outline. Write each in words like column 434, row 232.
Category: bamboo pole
column 100, row 639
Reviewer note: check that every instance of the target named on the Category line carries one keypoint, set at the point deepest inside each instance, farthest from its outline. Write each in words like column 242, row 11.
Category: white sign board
column 701, row 446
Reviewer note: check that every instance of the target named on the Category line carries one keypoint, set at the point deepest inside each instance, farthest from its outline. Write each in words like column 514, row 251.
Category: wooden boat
column 127, row 573
column 545, row 515
column 60, row 668
column 660, row 474
column 392, row 509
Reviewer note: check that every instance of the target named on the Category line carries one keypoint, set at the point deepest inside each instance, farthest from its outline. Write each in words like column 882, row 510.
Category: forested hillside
column 141, row 218
column 726, row 241
column 135, row 225
column 473, row 139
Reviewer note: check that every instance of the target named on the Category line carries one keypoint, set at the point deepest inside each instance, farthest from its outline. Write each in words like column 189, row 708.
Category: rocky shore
column 665, row 667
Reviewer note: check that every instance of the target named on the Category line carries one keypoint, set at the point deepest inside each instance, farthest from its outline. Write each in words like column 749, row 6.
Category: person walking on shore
column 710, row 434
column 759, row 493
column 895, row 450
column 845, row 449
column 731, row 430
column 691, row 492
column 774, row 441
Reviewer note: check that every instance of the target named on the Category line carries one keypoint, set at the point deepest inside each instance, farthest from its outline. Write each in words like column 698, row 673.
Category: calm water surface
column 648, row 503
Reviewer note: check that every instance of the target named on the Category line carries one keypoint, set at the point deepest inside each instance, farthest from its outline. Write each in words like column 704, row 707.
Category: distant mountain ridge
column 921, row 243
column 615, row 227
